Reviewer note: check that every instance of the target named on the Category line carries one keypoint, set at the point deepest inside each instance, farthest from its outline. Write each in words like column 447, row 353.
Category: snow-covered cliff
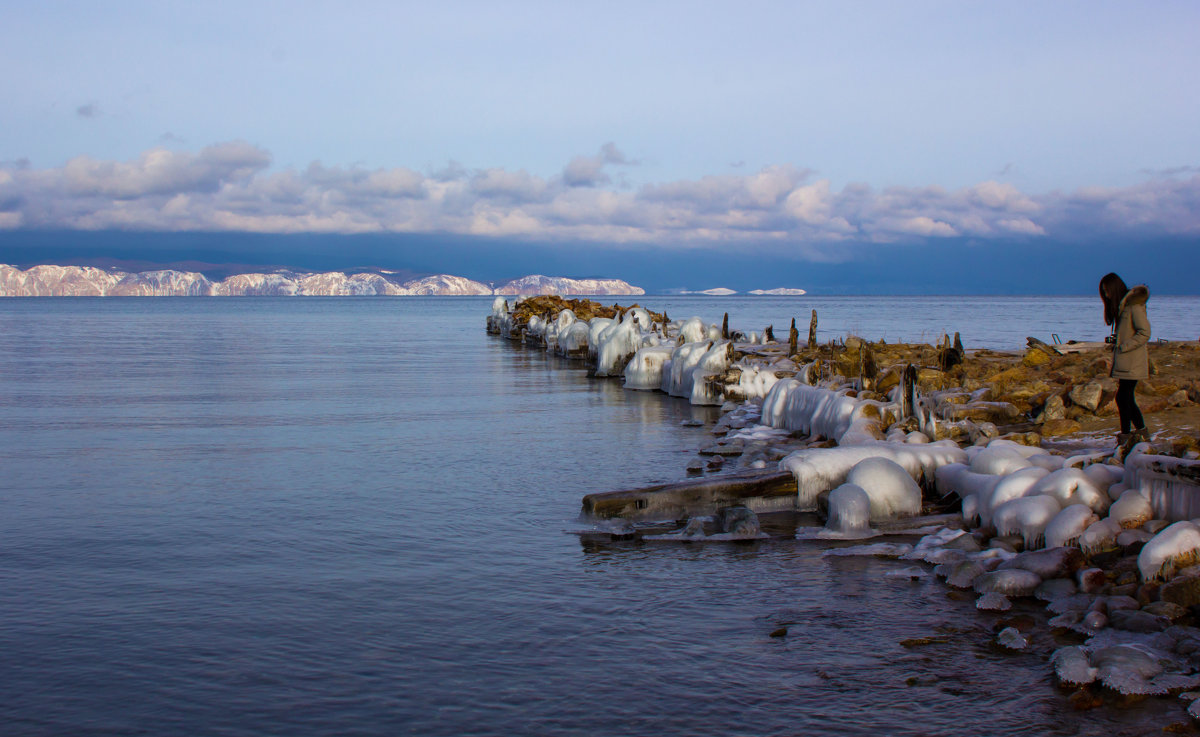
column 72, row 281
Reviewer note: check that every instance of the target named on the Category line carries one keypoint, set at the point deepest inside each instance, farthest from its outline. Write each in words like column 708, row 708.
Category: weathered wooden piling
column 793, row 338
column 812, row 330
column 759, row 491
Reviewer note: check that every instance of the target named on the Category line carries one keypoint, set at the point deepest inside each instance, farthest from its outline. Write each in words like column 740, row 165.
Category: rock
column 993, row 602
column 1135, row 620
column 1054, row 409
column 1000, row 413
column 781, row 632
column 1090, row 580
column 1178, row 399
column 1181, row 590
column 695, row 467
column 1165, row 609
column 1055, row 588
column 1011, row 639
column 1035, row 357
column 1011, row 582
column 1049, row 563
column 1089, row 396
column 1060, row 427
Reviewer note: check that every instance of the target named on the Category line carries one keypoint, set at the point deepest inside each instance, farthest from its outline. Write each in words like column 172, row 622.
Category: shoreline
column 1011, row 442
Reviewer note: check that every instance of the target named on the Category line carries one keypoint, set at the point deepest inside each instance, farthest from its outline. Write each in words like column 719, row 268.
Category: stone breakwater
column 1075, row 549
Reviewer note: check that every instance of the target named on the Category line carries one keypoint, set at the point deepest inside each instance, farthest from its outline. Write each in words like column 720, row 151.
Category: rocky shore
column 995, row 471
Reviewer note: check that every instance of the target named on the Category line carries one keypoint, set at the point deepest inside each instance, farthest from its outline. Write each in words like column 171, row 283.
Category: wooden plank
column 761, row 491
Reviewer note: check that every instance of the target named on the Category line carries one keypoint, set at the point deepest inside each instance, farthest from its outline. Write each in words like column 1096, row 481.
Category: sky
column 607, row 135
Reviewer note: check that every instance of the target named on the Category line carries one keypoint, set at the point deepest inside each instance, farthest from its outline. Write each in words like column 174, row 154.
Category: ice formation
column 1027, row 517
column 993, row 602
column 617, row 344
column 714, row 362
column 998, row 460
column 849, row 513
column 645, row 370
column 678, row 372
column 1013, row 486
column 1072, row 486
column 1069, row 524
column 815, row 410
column 1175, row 547
column 1072, row 666
column 1099, row 536
column 1012, row 639
column 892, row 491
column 818, row 470
column 1131, row 510
column 1164, row 482
column 1009, row 582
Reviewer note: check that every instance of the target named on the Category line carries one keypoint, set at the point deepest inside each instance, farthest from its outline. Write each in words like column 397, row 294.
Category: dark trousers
column 1131, row 416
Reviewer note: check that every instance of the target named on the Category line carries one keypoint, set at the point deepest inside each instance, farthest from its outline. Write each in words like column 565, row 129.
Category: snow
column 1027, row 517
column 821, row 469
column 1069, row 524
column 645, row 370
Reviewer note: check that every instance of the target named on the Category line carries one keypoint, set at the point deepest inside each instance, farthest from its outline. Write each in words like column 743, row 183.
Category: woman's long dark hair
column 1112, row 291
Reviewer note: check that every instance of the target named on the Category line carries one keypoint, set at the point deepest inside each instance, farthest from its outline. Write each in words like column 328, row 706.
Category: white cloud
column 228, row 186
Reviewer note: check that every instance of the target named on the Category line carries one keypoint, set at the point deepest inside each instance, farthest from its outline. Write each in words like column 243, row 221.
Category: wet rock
column 1181, row 590
column 781, row 632
column 1090, row 580
column 962, row 575
column 1055, row 588
column 1049, row 563
column 923, row 641
column 1076, row 603
column 1009, row 582
column 993, row 602
column 1084, row 700
column 1137, row 621
column 1011, row 639
column 739, row 522
column 1166, row 609
column 1131, row 541
column 695, row 467
column 1072, row 666
column 1059, row 427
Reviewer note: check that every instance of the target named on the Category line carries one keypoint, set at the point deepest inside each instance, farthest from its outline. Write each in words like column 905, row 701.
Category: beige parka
column 1131, row 360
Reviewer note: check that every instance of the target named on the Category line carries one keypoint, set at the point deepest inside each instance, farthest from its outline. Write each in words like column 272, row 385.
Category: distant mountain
column 87, row 281
column 538, row 284
column 780, row 292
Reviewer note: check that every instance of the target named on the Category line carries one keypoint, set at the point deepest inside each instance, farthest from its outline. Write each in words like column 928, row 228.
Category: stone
column 1060, row 427
column 1165, row 609
column 1054, row 409
column 1134, row 620
column 1088, row 396
column 1035, row 357
column 1181, row 590
column 1178, row 399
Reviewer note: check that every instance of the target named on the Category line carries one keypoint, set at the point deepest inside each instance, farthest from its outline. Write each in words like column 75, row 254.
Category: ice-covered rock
column 1011, row 638
column 1072, row 486
column 1027, row 517
column 892, row 491
column 1069, row 524
column 645, row 370
column 1012, row 486
column 993, row 602
column 849, row 513
column 1049, row 563
column 1131, row 510
column 1175, row 547
column 1072, row 666
column 1099, row 536
column 998, row 460
column 1009, row 582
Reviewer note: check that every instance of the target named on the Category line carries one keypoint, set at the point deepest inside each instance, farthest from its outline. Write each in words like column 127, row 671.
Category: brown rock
column 1000, row 413
column 1035, row 357
column 1058, row 428
column 1089, row 396
column 1054, row 409
column 1181, row 590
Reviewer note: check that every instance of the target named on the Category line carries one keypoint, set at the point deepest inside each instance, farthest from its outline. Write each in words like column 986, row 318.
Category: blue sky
column 764, row 126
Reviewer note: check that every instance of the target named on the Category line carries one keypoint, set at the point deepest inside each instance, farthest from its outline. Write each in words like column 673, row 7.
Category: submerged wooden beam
column 761, row 491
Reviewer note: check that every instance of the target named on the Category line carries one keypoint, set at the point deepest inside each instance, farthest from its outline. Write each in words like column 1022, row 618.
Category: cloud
column 231, row 187
column 588, row 171
column 88, row 110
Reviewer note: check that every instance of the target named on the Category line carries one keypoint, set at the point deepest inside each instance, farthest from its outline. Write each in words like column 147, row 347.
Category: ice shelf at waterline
column 873, row 436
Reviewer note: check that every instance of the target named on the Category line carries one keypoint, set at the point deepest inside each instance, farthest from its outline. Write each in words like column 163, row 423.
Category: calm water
column 351, row 516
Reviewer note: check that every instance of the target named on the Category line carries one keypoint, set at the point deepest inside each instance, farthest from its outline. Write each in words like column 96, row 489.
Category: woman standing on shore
column 1125, row 310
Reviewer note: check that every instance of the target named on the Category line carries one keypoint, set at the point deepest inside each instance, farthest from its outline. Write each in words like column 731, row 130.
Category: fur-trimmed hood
column 1137, row 295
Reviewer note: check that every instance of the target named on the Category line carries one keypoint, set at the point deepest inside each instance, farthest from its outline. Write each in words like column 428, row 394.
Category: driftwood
column 1042, row 346
column 908, row 392
column 793, row 338
column 812, row 330
column 760, row 491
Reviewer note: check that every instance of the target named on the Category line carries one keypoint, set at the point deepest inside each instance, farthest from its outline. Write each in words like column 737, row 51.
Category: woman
column 1125, row 310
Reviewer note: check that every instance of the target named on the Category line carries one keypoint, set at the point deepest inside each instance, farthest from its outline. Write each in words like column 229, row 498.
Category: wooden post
column 725, row 326
column 908, row 392
column 868, row 368
column 812, row 330
column 793, row 337
column 770, row 334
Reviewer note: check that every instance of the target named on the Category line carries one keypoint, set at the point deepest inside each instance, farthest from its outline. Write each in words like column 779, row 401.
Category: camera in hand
column 1111, row 339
